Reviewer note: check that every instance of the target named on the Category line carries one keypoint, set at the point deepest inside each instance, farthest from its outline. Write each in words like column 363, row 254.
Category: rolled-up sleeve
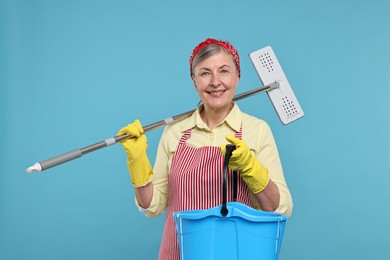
column 269, row 156
column 164, row 155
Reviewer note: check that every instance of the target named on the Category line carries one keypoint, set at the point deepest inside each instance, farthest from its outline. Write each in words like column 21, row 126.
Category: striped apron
column 194, row 183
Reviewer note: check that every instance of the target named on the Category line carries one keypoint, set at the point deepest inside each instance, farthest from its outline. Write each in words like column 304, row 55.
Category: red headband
column 227, row 46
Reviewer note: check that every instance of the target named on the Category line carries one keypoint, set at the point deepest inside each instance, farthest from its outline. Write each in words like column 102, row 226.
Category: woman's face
column 216, row 80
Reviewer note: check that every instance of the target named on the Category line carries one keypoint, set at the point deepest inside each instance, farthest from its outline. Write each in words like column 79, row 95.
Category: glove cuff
column 141, row 171
column 256, row 177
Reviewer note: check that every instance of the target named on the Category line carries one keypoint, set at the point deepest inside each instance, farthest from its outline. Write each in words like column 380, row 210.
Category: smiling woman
column 216, row 80
column 215, row 71
column 188, row 169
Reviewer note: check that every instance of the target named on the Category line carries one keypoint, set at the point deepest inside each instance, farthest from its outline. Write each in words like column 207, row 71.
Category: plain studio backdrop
column 74, row 72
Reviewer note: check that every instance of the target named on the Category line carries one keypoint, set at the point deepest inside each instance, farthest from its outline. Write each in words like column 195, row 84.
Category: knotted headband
column 227, row 46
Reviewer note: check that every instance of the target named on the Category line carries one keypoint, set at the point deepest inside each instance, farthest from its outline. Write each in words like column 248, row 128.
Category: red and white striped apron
column 195, row 182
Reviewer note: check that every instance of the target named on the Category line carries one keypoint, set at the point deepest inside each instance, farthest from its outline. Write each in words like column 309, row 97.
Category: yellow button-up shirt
column 256, row 134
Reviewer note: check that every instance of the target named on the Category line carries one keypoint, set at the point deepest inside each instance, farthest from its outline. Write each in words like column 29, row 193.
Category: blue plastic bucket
column 244, row 233
column 230, row 231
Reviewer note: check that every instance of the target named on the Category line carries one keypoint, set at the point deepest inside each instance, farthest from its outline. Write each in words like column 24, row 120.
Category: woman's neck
column 213, row 117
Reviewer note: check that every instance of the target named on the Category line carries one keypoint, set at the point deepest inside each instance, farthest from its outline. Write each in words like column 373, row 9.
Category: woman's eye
column 204, row 73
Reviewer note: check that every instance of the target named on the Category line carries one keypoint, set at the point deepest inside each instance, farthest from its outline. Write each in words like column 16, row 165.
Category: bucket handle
column 229, row 150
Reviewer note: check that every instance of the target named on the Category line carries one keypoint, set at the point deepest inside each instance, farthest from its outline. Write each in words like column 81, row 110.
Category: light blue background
column 73, row 72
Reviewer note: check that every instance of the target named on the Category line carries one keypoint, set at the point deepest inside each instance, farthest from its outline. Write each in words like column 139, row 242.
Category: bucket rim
column 235, row 209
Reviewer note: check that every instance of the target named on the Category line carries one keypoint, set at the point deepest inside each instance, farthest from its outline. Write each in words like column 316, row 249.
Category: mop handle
column 63, row 158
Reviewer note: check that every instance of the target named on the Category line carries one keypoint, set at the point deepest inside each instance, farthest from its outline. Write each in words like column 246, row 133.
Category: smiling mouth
column 216, row 93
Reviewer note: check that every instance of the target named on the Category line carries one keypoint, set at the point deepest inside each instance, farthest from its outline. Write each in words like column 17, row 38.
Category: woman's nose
column 215, row 80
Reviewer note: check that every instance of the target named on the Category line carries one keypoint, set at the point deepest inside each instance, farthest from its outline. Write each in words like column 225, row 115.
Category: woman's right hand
column 135, row 146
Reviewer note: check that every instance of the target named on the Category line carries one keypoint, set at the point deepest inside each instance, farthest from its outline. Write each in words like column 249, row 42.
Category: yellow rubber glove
column 137, row 160
column 251, row 170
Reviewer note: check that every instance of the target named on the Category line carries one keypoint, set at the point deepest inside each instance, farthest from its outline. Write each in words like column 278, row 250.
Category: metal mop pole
column 60, row 159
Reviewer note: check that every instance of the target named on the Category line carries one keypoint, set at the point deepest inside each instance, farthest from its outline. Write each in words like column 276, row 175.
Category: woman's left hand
column 251, row 170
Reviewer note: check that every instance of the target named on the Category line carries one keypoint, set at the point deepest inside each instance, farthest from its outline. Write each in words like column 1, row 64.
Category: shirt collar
column 233, row 119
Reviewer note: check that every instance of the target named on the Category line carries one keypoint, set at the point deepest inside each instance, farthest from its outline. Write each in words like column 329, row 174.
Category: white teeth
column 216, row 93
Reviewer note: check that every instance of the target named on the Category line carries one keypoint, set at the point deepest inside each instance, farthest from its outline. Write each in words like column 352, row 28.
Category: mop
column 275, row 84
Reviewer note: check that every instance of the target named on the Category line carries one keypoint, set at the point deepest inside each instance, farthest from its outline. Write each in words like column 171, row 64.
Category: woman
column 188, row 169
